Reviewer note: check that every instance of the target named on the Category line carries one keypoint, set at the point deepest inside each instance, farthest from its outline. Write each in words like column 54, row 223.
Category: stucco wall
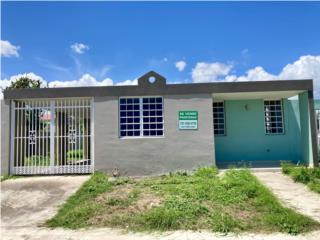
column 306, row 136
column 5, row 136
column 246, row 141
column 177, row 150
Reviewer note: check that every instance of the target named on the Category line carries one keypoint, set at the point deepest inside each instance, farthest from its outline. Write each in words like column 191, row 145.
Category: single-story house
column 156, row 128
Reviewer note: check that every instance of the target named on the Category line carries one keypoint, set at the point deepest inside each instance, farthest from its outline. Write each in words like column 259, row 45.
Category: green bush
column 75, row 154
column 303, row 174
column 287, row 167
column 37, row 160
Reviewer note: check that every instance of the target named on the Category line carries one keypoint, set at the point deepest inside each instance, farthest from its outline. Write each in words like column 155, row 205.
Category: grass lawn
column 233, row 203
column 308, row 176
column 7, row 177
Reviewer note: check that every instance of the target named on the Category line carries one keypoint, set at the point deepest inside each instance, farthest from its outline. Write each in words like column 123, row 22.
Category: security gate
column 51, row 136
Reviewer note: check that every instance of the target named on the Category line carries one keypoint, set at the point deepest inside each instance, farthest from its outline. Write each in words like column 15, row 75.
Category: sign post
column 188, row 120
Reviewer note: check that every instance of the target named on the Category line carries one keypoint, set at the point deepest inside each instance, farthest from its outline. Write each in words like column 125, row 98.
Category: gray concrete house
column 156, row 128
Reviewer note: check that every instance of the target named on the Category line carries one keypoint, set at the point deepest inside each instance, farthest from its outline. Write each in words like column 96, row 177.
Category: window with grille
column 273, row 117
column 141, row 117
column 218, row 118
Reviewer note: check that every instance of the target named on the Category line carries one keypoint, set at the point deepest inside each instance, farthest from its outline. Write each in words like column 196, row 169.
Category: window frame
column 141, row 118
column 282, row 118
column 224, row 119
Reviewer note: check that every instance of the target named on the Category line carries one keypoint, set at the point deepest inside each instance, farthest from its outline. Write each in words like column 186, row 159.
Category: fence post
column 52, row 132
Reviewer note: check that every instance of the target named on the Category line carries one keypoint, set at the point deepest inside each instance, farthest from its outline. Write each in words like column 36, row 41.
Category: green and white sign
column 188, row 120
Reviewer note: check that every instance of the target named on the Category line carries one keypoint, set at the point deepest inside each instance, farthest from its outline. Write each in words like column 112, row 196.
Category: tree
column 24, row 82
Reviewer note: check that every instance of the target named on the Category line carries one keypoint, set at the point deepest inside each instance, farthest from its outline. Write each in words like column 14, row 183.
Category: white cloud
column 79, row 48
column 209, row 72
column 8, row 50
column 85, row 80
column 245, row 51
column 181, row 65
column 128, row 82
column 306, row 67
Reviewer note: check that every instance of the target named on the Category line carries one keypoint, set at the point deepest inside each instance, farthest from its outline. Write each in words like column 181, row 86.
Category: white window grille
column 218, row 118
column 273, row 117
column 141, row 117
column 52, row 136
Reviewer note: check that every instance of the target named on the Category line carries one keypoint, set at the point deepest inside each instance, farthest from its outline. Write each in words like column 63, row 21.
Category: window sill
column 142, row 137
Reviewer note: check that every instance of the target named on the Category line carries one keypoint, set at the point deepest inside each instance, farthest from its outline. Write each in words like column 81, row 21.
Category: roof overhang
column 255, row 95
column 159, row 87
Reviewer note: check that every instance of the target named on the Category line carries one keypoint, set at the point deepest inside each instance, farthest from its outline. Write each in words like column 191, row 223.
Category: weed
column 235, row 202
column 81, row 206
column 303, row 174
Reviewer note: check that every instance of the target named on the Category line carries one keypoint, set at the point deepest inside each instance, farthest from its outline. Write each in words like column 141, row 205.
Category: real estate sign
column 188, row 120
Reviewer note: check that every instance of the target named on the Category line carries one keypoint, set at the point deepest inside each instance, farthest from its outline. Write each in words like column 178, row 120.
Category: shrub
column 37, row 160
column 303, row 174
column 287, row 167
column 75, row 154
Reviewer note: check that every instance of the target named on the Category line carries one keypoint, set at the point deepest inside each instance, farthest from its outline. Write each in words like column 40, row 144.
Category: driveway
column 291, row 194
column 29, row 201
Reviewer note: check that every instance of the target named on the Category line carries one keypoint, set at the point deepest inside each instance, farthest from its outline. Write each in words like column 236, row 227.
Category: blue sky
column 121, row 41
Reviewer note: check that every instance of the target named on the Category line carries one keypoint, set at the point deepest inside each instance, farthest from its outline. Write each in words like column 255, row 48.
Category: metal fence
column 52, row 136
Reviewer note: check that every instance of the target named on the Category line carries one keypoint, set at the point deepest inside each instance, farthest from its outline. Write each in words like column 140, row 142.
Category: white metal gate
column 52, row 136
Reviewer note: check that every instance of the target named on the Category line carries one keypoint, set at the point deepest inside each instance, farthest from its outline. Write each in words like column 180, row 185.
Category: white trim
column 141, row 118
column 92, row 133
column 224, row 119
column 12, row 135
column 52, row 132
column 46, row 155
column 142, row 137
column 282, row 117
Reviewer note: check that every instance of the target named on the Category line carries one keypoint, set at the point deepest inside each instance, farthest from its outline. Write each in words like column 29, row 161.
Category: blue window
column 218, row 118
column 141, row 116
column 273, row 117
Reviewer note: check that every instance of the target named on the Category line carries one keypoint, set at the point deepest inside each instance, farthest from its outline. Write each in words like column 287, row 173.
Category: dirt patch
column 123, row 202
column 148, row 201
column 121, row 192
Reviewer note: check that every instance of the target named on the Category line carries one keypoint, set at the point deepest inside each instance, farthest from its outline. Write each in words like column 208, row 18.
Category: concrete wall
column 307, row 151
column 5, row 136
column 177, row 150
column 246, row 142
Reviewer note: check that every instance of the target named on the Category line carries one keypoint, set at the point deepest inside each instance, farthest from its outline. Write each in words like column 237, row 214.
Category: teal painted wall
column 246, row 142
column 307, row 156
column 317, row 104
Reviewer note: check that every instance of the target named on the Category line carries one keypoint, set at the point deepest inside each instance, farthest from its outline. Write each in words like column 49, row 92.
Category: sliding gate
column 51, row 136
